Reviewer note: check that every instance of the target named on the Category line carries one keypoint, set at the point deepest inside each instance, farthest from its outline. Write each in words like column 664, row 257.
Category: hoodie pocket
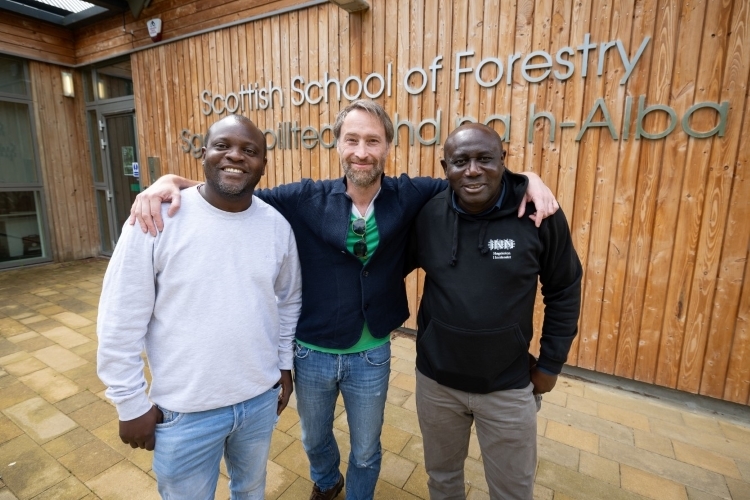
column 470, row 360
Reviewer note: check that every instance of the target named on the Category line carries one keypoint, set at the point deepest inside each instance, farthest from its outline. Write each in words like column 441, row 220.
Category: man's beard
column 363, row 178
column 227, row 189
column 232, row 190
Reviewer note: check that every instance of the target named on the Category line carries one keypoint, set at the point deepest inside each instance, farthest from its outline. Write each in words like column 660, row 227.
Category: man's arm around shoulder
column 560, row 276
column 146, row 208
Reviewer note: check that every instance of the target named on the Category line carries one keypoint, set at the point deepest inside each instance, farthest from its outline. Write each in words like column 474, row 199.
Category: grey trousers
column 506, row 429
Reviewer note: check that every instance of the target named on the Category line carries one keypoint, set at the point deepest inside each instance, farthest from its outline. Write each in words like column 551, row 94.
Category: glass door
column 116, row 174
column 110, row 110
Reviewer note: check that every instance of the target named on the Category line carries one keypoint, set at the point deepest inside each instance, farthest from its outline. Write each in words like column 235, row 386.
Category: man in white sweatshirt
column 214, row 301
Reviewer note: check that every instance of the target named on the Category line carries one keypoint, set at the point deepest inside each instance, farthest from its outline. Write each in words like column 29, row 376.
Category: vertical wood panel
column 691, row 201
column 712, row 224
column 255, row 74
column 727, row 268
column 584, row 217
column 604, row 182
column 334, row 67
column 469, row 89
column 191, row 111
column 314, row 58
column 737, row 388
column 175, row 114
column 550, row 165
column 737, row 380
column 444, row 48
column 274, row 115
column 286, row 114
column 324, row 114
column 662, row 61
column 294, row 62
column 569, row 147
column 624, row 194
column 652, row 160
column 65, row 163
column 541, row 133
column 44, row 110
column 306, row 157
column 489, row 45
column 737, row 234
column 401, row 101
column 656, row 300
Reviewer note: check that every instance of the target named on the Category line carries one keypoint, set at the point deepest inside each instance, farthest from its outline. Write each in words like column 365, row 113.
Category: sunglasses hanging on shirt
column 359, row 227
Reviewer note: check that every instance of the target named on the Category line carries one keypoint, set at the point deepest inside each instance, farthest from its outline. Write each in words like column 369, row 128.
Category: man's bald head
column 491, row 132
column 244, row 120
column 474, row 163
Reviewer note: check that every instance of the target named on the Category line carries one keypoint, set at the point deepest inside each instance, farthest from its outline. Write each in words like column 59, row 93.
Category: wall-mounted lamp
column 154, row 29
column 67, row 84
column 101, row 89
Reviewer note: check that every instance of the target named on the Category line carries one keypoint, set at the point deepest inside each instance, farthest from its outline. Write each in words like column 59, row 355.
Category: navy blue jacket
column 338, row 293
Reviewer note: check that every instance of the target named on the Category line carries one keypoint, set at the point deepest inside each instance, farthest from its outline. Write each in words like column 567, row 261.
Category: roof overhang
column 73, row 13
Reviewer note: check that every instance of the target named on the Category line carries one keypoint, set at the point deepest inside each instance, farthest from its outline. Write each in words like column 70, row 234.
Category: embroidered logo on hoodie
column 500, row 248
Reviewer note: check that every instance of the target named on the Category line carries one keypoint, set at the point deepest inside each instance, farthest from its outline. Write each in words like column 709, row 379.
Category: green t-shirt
column 372, row 239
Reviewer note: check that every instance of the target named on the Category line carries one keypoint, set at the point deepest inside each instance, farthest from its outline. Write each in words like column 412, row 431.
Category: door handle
column 109, row 195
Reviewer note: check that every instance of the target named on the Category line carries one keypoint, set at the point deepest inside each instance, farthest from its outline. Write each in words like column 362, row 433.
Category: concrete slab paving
column 58, row 434
column 39, row 420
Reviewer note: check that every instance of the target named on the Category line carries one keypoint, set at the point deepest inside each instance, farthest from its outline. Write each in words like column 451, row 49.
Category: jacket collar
column 339, row 185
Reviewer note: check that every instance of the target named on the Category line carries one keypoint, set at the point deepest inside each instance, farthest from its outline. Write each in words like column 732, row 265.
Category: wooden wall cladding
column 661, row 224
column 38, row 40
column 66, row 164
column 122, row 34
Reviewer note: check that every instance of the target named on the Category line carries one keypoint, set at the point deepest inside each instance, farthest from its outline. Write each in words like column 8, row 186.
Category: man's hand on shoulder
column 141, row 432
column 147, row 205
column 286, row 390
column 543, row 198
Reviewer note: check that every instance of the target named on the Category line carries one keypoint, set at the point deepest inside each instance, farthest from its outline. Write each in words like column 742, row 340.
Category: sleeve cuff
column 546, row 372
column 286, row 361
column 134, row 407
column 549, row 367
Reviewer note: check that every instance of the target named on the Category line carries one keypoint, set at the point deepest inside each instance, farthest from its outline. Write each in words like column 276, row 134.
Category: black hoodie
column 475, row 321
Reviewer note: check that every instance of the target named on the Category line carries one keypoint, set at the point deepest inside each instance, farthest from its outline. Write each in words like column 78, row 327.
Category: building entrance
column 114, row 142
column 119, row 170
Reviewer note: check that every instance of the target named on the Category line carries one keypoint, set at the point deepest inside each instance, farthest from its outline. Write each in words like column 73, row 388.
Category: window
column 13, row 76
column 112, row 80
column 23, row 233
column 17, row 164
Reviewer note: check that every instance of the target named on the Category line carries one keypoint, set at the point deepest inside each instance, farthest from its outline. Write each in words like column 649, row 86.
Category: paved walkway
column 58, row 434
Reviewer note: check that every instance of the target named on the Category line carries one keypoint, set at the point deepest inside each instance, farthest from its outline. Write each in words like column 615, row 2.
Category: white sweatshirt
column 214, row 300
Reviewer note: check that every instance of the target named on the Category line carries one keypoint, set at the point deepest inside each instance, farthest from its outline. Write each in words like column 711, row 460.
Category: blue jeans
column 189, row 447
column 362, row 379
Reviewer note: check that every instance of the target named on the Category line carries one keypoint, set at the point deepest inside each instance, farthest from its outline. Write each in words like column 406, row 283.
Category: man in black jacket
column 475, row 321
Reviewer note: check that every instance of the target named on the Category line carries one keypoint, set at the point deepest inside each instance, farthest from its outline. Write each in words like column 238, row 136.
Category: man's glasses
column 359, row 227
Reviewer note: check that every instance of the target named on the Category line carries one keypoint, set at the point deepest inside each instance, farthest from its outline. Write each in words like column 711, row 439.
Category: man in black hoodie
column 475, row 321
